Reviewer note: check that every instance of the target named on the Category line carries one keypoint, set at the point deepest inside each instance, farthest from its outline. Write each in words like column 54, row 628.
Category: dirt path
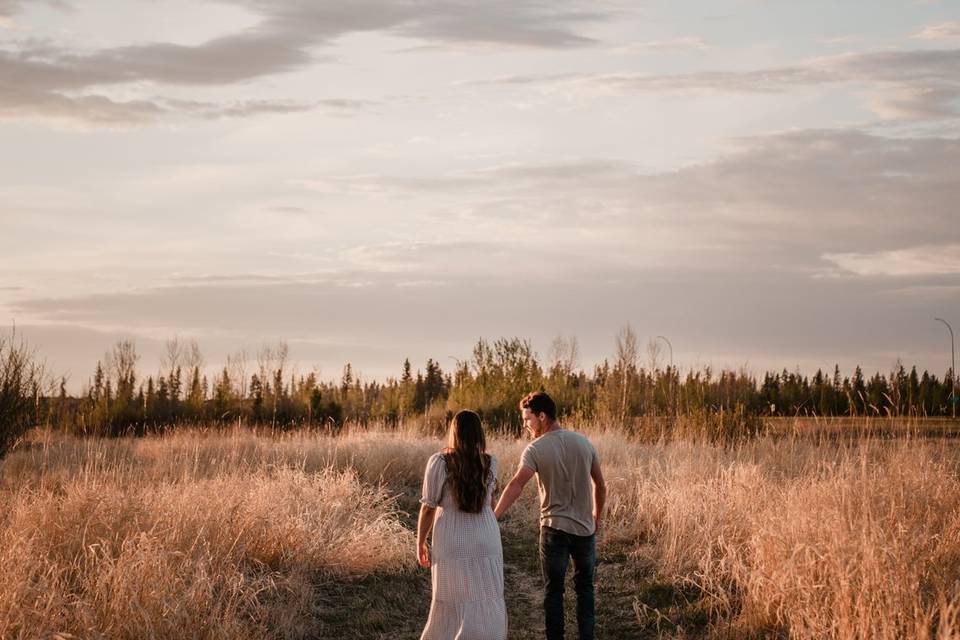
column 395, row 606
column 615, row 586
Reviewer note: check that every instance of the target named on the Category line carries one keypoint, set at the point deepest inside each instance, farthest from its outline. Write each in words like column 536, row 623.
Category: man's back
column 562, row 460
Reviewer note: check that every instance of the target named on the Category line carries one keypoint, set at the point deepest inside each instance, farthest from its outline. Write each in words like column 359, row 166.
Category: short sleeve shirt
column 562, row 460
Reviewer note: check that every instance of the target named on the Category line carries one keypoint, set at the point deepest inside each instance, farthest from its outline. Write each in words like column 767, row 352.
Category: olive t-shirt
column 562, row 460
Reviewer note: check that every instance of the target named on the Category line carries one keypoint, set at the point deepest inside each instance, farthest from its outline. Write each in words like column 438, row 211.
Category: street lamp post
column 953, row 369
column 669, row 346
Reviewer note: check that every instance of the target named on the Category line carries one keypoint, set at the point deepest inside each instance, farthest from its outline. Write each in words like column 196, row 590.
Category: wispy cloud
column 704, row 313
column 753, row 229
column 8, row 8
column 942, row 31
column 911, row 261
column 782, row 200
column 687, row 43
column 42, row 79
column 907, row 84
column 21, row 102
column 243, row 108
column 851, row 38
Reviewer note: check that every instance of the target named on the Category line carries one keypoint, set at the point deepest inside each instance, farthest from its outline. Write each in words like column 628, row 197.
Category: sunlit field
column 235, row 534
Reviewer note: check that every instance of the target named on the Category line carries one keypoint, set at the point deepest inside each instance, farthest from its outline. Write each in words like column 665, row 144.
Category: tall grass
column 800, row 539
column 211, row 537
column 235, row 534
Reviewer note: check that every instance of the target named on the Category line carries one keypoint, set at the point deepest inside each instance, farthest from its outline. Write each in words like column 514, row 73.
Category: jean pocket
column 552, row 537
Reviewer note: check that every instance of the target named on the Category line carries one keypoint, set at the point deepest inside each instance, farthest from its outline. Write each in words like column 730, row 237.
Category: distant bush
column 19, row 389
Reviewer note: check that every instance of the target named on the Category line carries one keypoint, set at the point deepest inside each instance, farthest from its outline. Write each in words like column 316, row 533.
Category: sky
column 769, row 184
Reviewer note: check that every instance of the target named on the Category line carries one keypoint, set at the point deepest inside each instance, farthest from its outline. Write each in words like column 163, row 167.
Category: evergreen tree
column 913, row 393
column 96, row 389
column 150, row 401
column 163, row 399
column 256, row 396
column 222, row 394
column 196, row 395
column 406, row 393
column 858, row 392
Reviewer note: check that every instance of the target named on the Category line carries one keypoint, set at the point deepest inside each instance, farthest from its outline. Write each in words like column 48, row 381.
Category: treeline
column 264, row 390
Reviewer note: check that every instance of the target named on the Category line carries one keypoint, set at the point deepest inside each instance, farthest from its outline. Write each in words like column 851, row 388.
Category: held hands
column 423, row 555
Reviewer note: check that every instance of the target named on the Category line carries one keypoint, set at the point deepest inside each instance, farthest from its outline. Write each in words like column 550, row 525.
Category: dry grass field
column 240, row 535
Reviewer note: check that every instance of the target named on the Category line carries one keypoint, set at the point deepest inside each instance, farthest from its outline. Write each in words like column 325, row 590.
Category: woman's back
column 459, row 533
column 466, row 561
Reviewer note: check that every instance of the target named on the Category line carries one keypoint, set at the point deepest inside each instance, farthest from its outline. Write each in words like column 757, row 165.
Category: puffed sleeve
column 434, row 478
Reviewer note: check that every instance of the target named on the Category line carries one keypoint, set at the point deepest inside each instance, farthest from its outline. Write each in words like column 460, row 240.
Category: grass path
column 395, row 606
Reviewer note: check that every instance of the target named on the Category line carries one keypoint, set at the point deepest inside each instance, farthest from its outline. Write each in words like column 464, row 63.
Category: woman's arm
column 512, row 492
column 424, row 526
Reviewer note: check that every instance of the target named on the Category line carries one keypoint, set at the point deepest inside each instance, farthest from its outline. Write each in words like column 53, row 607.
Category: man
column 566, row 465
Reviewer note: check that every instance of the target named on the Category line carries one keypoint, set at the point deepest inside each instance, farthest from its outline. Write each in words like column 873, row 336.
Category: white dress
column 466, row 563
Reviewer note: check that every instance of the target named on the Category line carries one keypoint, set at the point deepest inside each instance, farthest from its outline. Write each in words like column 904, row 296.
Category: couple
column 466, row 558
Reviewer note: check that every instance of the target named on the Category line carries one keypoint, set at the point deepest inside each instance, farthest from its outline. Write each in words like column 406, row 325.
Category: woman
column 466, row 559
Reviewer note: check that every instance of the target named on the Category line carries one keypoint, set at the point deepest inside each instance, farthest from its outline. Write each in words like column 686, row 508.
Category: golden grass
column 860, row 540
column 232, row 535
column 189, row 535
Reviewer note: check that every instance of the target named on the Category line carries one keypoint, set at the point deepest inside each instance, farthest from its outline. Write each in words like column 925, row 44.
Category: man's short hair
column 539, row 402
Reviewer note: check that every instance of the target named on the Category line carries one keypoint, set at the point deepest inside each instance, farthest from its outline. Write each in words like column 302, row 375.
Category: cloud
column 48, row 82
column 420, row 283
column 851, row 38
column 21, row 102
column 767, row 320
column 944, row 30
column 223, row 279
column 9, row 8
column 41, row 79
column 243, row 108
column 29, row 89
column 288, row 209
column 687, row 43
column 916, row 103
column 348, row 104
column 912, row 261
column 766, row 249
column 524, row 23
column 923, row 84
column 786, row 199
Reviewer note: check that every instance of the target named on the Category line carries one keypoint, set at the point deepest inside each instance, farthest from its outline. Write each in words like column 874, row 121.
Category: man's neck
column 555, row 426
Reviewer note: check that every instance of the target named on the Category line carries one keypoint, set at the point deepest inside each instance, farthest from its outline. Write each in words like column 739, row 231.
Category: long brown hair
column 468, row 465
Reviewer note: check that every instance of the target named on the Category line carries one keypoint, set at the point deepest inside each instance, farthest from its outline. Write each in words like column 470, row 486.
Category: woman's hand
column 423, row 555
column 424, row 526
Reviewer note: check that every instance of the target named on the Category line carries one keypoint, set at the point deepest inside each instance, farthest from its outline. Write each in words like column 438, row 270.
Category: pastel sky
column 768, row 183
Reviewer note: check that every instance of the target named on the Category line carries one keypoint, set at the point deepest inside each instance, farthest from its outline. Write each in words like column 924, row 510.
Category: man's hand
column 599, row 495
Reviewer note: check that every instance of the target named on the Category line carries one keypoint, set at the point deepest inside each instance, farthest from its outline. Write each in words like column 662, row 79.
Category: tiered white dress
column 466, row 562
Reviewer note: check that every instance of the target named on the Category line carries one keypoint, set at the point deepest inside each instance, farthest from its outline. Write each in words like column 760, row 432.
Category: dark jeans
column 556, row 549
